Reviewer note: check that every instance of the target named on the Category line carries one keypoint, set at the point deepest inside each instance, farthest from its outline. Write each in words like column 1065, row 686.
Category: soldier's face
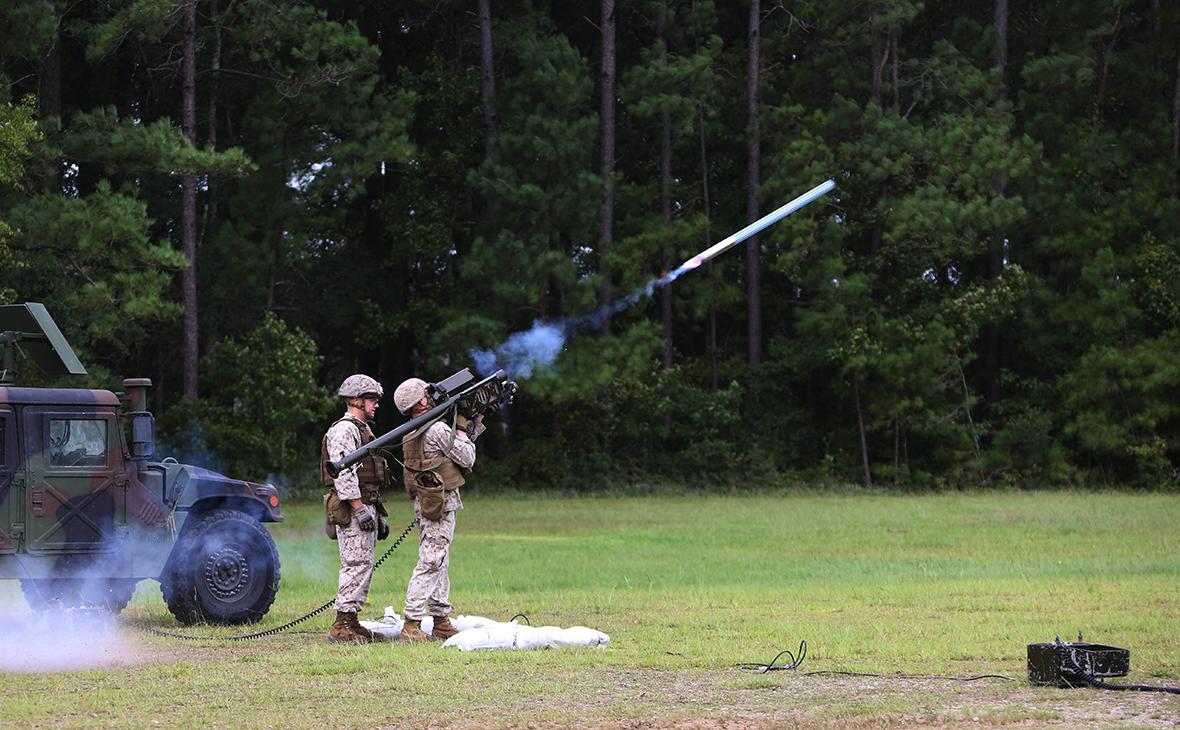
column 421, row 406
column 370, row 408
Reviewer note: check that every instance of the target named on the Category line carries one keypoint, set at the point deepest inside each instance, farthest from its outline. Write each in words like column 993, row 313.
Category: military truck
column 85, row 514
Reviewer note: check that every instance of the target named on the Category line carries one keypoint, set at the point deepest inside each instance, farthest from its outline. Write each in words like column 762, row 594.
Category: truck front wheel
column 224, row 570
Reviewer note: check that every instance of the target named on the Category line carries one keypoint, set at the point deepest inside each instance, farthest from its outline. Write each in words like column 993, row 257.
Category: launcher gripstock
column 454, row 391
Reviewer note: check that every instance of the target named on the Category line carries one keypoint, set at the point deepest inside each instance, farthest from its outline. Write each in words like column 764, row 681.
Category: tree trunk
column 488, row 93
column 860, row 427
column 1157, row 48
column 49, row 78
column 188, row 213
column 994, row 265
column 665, row 192
column 214, row 78
column 880, row 53
column 1107, row 55
column 607, row 117
column 209, row 217
column 49, row 91
column 711, row 317
column 896, row 71
column 1176, row 109
column 753, row 182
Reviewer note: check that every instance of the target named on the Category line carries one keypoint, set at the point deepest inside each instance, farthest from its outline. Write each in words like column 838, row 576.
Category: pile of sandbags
column 477, row 632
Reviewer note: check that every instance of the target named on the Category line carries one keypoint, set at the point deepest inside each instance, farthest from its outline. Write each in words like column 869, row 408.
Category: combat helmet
column 408, row 393
column 359, row 385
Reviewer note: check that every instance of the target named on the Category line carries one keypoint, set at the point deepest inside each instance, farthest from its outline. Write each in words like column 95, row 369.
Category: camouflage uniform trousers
column 429, row 590
column 357, row 551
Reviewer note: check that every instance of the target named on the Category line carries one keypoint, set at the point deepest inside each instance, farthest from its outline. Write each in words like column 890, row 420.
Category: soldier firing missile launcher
column 455, row 394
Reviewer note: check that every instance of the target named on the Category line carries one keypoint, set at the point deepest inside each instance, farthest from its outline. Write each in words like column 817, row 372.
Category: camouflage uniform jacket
column 344, row 437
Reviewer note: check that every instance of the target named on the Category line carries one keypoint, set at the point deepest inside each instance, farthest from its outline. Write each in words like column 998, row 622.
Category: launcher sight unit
column 455, row 392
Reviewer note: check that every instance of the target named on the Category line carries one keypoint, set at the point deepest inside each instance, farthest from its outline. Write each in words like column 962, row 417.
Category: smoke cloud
column 523, row 352
column 62, row 640
column 65, row 623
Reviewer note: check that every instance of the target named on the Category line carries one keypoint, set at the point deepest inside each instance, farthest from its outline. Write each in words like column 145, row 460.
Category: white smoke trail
column 524, row 352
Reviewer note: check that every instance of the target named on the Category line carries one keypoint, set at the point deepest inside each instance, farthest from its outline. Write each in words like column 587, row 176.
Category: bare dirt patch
column 701, row 700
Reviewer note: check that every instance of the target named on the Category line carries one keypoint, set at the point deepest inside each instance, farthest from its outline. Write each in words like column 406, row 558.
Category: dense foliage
column 990, row 297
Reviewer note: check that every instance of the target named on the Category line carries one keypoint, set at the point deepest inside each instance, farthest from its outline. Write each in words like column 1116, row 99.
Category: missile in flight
column 764, row 222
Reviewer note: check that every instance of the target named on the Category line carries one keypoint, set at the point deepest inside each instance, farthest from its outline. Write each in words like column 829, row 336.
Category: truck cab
column 85, row 514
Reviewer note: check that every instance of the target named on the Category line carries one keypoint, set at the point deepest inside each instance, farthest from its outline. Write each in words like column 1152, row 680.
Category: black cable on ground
column 910, row 676
column 521, row 615
column 774, row 666
column 1099, row 684
column 276, row 629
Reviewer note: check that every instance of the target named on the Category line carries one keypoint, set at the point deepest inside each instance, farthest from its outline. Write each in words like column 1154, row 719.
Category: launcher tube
column 393, row 438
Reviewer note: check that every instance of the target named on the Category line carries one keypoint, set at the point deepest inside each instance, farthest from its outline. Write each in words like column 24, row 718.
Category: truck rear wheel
column 224, row 570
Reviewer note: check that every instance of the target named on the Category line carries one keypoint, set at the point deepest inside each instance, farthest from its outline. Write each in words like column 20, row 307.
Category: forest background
column 247, row 200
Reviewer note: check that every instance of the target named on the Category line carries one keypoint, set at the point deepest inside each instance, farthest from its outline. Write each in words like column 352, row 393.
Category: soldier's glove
column 382, row 528
column 465, row 425
column 367, row 523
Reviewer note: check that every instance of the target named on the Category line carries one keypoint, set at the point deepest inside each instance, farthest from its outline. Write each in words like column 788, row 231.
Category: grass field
column 687, row 586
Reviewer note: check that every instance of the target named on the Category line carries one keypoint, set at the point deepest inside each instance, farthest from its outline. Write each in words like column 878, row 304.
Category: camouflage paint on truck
column 85, row 514
column 79, row 514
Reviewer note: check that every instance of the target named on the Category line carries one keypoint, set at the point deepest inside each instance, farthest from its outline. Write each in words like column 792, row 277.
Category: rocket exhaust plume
column 523, row 352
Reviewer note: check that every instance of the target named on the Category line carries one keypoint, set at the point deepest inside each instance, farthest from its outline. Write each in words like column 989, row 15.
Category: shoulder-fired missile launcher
column 85, row 514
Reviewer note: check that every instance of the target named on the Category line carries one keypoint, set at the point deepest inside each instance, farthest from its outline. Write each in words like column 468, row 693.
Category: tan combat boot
column 342, row 630
column 412, row 631
column 443, row 628
column 355, row 625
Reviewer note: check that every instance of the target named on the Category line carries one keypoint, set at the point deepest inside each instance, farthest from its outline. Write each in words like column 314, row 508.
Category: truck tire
column 111, row 594
column 224, row 570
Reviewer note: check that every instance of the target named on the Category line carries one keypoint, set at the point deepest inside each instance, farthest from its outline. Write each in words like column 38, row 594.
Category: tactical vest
column 371, row 471
column 430, row 473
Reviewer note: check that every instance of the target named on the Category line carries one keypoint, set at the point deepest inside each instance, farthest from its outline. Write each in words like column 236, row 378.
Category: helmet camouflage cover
column 408, row 393
column 355, row 386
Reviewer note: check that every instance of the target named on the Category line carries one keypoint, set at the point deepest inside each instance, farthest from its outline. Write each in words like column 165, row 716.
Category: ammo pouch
column 336, row 512
column 339, row 514
column 430, row 501
column 428, row 487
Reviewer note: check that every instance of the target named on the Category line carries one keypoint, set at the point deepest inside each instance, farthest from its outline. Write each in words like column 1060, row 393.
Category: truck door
column 8, row 466
column 71, row 502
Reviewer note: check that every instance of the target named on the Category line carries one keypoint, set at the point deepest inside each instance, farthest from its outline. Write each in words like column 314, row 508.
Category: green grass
column 686, row 586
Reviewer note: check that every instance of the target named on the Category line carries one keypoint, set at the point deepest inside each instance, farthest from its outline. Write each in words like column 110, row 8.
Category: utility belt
column 338, row 512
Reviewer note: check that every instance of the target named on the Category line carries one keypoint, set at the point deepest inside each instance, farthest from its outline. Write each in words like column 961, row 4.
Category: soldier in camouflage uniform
column 435, row 464
column 353, row 505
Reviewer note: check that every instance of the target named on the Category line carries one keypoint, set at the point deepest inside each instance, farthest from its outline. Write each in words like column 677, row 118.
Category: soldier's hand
column 367, row 523
column 382, row 528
